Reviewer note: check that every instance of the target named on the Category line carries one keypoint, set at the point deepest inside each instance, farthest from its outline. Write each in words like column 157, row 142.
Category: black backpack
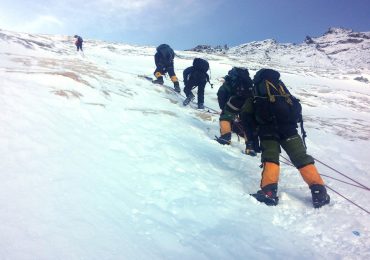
column 240, row 82
column 273, row 102
column 166, row 51
column 79, row 38
column 201, row 65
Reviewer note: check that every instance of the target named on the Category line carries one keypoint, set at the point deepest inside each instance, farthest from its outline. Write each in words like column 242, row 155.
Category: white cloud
column 150, row 14
column 44, row 23
column 128, row 5
column 117, row 18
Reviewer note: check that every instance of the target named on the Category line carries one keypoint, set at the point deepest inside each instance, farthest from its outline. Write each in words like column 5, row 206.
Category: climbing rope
column 364, row 187
column 351, row 201
column 361, row 186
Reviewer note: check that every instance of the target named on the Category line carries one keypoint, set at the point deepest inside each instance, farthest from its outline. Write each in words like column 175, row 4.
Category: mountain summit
column 337, row 49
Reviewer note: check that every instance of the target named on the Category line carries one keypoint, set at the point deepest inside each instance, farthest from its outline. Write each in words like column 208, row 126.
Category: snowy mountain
column 338, row 50
column 99, row 163
column 210, row 50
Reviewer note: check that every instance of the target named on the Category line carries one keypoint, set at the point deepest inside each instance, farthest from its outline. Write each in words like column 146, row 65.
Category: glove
column 224, row 139
column 249, row 149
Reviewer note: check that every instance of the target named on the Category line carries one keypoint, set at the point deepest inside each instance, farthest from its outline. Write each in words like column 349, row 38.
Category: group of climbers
column 269, row 115
column 194, row 76
column 264, row 109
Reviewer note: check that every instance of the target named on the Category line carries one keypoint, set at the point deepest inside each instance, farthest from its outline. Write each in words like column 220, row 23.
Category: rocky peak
column 338, row 30
column 309, row 40
column 210, row 49
column 337, row 48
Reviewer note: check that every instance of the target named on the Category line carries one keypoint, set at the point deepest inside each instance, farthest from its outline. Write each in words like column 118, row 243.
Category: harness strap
column 303, row 133
column 232, row 106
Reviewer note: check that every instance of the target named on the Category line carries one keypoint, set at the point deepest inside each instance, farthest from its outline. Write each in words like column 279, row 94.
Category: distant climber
column 196, row 76
column 164, row 62
column 78, row 42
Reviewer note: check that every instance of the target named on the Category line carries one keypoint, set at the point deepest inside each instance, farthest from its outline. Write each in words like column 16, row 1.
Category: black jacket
column 79, row 40
column 193, row 77
column 162, row 62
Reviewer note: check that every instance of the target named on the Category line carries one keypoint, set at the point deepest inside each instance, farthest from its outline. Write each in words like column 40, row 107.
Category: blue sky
column 185, row 23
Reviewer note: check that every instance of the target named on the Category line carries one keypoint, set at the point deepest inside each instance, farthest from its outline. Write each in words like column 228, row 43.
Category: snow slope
column 98, row 163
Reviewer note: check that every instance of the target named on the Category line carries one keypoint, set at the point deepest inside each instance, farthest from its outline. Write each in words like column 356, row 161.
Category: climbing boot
column 188, row 99
column 267, row 195
column 159, row 81
column 319, row 195
column 224, row 139
column 176, row 85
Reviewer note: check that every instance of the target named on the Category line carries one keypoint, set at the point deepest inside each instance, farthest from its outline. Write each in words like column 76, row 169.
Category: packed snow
column 99, row 163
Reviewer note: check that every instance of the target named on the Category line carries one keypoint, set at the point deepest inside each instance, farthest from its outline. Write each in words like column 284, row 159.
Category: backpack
column 273, row 102
column 166, row 51
column 201, row 65
column 240, row 82
column 78, row 39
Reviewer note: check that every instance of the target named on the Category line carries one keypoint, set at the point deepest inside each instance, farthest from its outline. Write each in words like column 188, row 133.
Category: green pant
column 293, row 146
column 227, row 116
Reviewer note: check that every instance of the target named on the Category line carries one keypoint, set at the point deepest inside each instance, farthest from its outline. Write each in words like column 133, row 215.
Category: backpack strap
column 280, row 90
column 285, row 95
column 268, row 85
column 290, row 102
